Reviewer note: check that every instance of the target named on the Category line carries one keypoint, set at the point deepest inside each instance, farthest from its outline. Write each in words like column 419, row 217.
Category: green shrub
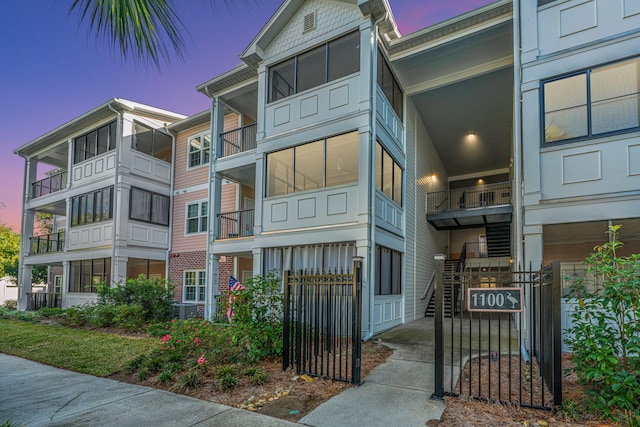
column 605, row 335
column 11, row 304
column 154, row 296
column 227, row 377
column 257, row 376
column 257, row 320
column 50, row 312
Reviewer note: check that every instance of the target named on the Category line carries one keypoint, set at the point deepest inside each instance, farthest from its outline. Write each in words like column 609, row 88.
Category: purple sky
column 53, row 71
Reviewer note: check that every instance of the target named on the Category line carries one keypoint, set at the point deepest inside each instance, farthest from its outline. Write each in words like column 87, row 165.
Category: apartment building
column 110, row 189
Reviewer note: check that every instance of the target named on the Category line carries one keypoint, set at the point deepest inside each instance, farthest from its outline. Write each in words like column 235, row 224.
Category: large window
column 389, row 85
column 88, row 274
column 194, row 286
column 149, row 207
column 152, row 142
column 592, row 103
column 325, row 63
column 388, row 175
column 324, row 163
column 388, row 271
column 94, row 143
column 199, row 147
column 92, row 207
column 197, row 217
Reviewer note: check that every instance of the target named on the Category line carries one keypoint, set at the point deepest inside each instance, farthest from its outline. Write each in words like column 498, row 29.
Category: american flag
column 234, row 285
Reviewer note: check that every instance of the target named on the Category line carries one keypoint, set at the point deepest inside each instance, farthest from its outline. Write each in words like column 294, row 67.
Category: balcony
column 238, row 140
column 50, row 184
column 47, row 243
column 233, row 225
column 470, row 207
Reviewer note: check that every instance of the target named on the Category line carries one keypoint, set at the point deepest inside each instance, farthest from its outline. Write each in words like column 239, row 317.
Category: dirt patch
column 286, row 395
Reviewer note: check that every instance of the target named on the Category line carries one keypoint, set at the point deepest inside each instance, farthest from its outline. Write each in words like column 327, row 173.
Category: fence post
column 286, row 326
column 357, row 320
column 438, row 393
column 556, row 292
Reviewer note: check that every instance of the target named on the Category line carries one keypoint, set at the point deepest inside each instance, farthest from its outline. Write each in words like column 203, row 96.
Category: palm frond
column 142, row 28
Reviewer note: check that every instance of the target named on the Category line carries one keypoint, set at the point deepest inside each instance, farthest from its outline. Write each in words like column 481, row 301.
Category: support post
column 438, row 284
column 556, row 292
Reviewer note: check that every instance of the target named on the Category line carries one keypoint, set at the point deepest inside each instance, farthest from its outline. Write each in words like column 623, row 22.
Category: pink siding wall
column 184, row 177
column 228, row 198
column 180, row 241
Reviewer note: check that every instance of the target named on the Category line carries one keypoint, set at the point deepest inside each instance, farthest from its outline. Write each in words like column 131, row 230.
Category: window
column 388, row 271
column 197, row 217
column 195, row 285
column 325, row 63
column 93, row 143
column 88, row 274
column 92, row 207
column 324, row 163
column 149, row 207
column 199, row 147
column 152, row 142
column 388, row 175
column 57, row 284
column 592, row 103
column 389, row 85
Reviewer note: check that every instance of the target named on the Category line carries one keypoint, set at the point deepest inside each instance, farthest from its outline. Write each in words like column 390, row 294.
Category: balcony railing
column 238, row 140
column 232, row 225
column 49, row 185
column 38, row 300
column 480, row 196
column 47, row 243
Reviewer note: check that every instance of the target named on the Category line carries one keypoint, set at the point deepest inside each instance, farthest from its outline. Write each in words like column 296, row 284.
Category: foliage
column 605, row 335
column 9, row 251
column 13, row 314
column 81, row 350
column 11, row 304
column 138, row 27
column 43, row 222
column 148, row 300
column 257, row 319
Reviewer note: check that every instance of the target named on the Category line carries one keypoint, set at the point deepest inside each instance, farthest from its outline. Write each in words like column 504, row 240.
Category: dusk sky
column 54, row 71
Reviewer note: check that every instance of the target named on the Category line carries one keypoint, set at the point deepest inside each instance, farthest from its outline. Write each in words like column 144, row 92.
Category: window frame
column 396, row 101
column 380, row 175
column 327, row 77
column 80, row 209
column 199, row 217
column 91, row 274
column 150, row 210
column 200, row 288
column 291, row 186
column 590, row 135
column 393, row 268
column 82, row 143
column 153, row 132
column 205, row 154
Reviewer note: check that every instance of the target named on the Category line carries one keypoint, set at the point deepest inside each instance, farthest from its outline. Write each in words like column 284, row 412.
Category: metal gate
column 323, row 324
column 502, row 338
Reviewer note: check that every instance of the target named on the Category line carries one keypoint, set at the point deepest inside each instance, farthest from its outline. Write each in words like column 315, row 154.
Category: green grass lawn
column 80, row 350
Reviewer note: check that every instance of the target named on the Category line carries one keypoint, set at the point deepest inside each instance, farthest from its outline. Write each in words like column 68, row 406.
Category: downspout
column 171, row 187
column 372, row 150
column 116, row 190
column 22, row 302
column 517, row 149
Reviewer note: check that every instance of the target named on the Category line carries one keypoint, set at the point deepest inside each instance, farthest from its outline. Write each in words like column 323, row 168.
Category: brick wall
column 181, row 261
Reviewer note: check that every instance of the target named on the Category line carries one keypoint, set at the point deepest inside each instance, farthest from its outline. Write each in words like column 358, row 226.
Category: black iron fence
column 38, row 300
column 505, row 343
column 47, row 243
column 238, row 140
column 323, row 324
column 50, row 184
column 235, row 224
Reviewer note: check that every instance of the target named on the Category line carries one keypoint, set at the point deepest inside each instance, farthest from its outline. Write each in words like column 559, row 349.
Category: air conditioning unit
column 184, row 311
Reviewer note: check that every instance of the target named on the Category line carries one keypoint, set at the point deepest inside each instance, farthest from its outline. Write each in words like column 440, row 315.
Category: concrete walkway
column 397, row 392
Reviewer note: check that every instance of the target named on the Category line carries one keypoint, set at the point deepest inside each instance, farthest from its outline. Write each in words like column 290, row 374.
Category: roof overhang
column 199, row 119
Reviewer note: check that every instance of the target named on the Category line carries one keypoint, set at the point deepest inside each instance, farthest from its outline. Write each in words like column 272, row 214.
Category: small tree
column 605, row 335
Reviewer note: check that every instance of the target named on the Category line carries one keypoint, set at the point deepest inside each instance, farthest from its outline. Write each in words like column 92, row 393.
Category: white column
column 213, row 278
column 26, row 232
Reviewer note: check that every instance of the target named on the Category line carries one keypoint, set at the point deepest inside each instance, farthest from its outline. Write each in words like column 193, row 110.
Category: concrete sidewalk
column 32, row 394
column 396, row 393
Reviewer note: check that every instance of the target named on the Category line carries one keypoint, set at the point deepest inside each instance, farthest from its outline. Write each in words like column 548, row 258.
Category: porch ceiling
column 470, row 218
column 460, row 84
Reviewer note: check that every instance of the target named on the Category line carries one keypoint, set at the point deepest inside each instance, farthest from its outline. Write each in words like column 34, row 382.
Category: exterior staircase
column 498, row 240
column 450, row 267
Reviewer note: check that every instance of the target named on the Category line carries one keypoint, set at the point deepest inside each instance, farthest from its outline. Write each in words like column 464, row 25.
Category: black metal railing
column 50, row 184
column 323, row 324
column 238, row 140
column 480, row 196
column 38, row 300
column 232, row 225
column 47, row 243
column 508, row 350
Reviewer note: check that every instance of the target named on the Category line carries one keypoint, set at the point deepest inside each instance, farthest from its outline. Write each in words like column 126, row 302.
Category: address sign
column 507, row 300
